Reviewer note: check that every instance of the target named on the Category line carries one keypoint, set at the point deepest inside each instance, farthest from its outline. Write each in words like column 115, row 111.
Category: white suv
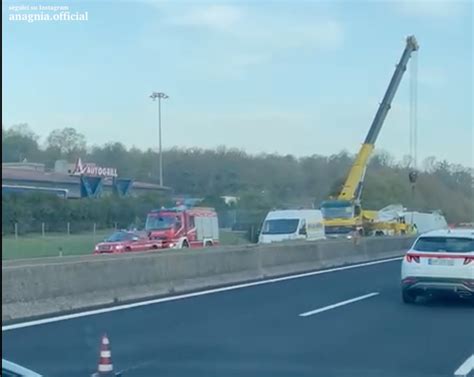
column 439, row 261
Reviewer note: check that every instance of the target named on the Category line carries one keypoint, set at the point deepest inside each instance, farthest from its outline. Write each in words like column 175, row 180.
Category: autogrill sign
column 91, row 169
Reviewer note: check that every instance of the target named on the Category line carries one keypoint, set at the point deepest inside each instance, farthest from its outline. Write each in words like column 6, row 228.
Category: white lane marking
column 188, row 295
column 342, row 303
column 466, row 368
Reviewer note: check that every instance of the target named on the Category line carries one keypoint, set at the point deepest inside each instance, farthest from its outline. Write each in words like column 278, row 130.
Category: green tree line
column 262, row 181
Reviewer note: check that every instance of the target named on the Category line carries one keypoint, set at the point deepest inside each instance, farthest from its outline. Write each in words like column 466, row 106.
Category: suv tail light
column 468, row 260
column 413, row 258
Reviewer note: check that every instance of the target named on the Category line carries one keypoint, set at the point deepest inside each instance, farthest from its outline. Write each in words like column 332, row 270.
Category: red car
column 124, row 241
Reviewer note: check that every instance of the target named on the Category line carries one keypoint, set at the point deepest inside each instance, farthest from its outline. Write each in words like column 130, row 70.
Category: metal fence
column 241, row 220
column 238, row 220
column 45, row 229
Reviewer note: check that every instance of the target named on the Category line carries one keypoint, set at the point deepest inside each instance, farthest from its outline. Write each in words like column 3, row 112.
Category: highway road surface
column 340, row 322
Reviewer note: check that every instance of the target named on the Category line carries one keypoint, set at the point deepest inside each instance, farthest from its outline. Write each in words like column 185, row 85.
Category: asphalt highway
column 340, row 323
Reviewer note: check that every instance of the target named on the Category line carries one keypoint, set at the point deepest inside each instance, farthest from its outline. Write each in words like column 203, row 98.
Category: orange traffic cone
column 105, row 368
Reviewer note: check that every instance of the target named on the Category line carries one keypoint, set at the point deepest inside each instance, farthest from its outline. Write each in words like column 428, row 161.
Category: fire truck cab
column 182, row 227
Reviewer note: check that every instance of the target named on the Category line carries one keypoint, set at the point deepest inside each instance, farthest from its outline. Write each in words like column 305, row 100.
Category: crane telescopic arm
column 352, row 188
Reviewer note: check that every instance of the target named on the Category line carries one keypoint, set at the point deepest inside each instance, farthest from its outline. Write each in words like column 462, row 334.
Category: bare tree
column 67, row 141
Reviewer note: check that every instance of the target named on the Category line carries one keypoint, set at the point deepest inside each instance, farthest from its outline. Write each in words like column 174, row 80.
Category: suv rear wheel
column 408, row 297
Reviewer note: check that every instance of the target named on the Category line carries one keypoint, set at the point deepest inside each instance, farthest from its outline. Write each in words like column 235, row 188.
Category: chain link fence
column 246, row 222
column 47, row 229
column 241, row 220
column 235, row 220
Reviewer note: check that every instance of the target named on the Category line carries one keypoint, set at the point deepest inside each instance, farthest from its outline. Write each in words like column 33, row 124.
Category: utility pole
column 154, row 96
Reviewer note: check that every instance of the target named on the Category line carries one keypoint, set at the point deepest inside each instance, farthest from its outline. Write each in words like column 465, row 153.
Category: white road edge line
column 466, row 368
column 342, row 303
column 188, row 295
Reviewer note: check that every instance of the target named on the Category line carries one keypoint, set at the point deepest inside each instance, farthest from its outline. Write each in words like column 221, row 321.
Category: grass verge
column 35, row 246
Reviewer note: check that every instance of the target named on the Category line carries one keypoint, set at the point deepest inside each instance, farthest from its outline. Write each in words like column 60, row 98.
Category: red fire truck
column 182, row 227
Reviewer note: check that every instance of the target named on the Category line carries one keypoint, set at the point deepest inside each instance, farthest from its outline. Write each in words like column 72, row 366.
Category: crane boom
column 352, row 188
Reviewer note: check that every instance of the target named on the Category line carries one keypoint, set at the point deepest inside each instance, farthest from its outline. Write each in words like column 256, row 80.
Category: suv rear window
column 445, row 244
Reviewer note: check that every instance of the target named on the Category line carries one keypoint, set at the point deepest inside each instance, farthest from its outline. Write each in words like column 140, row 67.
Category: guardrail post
column 94, row 230
column 16, row 231
column 68, row 228
column 42, row 230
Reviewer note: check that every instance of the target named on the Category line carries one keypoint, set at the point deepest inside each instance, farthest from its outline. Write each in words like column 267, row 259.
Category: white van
column 284, row 225
column 426, row 222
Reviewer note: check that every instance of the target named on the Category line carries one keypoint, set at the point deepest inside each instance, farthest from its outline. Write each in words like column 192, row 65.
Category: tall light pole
column 159, row 96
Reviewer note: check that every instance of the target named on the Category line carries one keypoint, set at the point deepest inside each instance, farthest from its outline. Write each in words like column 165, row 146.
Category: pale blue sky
column 298, row 77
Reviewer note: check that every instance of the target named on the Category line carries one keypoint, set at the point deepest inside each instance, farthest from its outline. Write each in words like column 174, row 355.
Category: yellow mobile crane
column 344, row 215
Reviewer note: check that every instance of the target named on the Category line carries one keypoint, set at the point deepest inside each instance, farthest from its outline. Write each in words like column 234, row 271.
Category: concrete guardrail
column 57, row 285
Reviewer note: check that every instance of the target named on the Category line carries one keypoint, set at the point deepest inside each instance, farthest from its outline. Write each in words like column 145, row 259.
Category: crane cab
column 342, row 218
